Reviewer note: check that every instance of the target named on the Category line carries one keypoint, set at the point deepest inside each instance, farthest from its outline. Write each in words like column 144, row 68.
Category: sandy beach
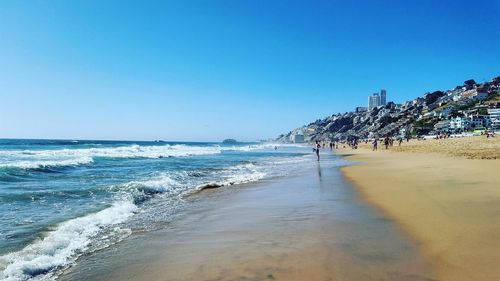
column 445, row 194
column 310, row 226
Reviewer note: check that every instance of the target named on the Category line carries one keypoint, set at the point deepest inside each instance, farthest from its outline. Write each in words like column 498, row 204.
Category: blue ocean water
column 60, row 199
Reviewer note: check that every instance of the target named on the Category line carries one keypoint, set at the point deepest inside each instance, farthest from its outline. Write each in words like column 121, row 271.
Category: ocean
column 62, row 199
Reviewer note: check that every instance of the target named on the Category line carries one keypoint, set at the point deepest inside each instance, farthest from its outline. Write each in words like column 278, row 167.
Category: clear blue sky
column 209, row 70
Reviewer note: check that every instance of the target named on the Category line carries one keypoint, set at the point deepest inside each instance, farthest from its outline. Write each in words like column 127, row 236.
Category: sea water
column 61, row 199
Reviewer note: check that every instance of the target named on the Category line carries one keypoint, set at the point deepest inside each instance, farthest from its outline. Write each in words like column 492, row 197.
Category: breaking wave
column 41, row 164
column 39, row 159
column 139, row 196
column 34, row 159
column 63, row 245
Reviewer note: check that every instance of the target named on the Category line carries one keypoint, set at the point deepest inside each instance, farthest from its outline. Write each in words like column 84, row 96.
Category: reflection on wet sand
column 299, row 228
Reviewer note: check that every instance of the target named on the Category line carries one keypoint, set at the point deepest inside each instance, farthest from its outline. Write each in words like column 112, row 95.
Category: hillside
column 431, row 113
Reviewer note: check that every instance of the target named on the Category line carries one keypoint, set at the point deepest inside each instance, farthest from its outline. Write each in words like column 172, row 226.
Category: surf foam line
column 40, row 164
column 33, row 159
column 69, row 240
column 36, row 159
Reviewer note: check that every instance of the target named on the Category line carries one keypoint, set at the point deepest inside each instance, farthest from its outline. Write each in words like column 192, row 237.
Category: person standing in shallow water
column 318, row 146
column 375, row 144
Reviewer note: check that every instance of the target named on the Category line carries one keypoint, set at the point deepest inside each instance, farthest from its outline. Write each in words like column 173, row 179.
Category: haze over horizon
column 210, row 70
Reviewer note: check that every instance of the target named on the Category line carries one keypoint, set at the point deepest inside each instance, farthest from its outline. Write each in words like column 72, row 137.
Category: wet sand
column 306, row 227
column 451, row 205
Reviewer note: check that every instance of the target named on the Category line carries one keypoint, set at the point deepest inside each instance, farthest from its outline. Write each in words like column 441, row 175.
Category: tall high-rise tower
column 373, row 101
column 383, row 97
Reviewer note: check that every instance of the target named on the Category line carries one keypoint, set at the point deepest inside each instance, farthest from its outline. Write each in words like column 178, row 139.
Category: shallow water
column 310, row 225
column 63, row 199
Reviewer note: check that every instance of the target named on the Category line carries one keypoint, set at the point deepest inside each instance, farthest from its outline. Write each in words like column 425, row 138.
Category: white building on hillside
column 472, row 94
column 373, row 101
column 442, row 126
column 377, row 99
column 480, row 121
column 298, row 138
column 494, row 118
column 460, row 124
column 444, row 113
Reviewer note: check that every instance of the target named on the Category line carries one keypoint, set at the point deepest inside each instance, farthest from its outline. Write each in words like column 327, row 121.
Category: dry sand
column 478, row 147
column 448, row 203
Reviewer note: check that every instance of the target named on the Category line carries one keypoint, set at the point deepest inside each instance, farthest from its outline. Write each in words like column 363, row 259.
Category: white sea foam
column 244, row 173
column 163, row 183
column 30, row 159
column 239, row 174
column 130, row 151
column 260, row 146
column 37, row 164
column 63, row 245
column 178, row 183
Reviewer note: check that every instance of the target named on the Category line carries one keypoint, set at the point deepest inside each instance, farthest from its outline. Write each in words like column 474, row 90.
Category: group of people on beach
column 489, row 134
column 387, row 141
column 353, row 143
column 447, row 135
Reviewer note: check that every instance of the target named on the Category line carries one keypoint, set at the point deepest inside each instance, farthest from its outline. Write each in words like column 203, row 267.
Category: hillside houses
column 472, row 95
column 467, row 107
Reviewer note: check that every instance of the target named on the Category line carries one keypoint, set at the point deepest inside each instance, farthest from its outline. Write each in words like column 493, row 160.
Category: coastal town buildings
column 361, row 109
column 377, row 99
column 444, row 112
column 298, row 138
column 471, row 107
column 403, row 132
column 474, row 94
column 383, row 97
column 460, row 124
column 442, row 126
column 479, row 121
column 373, row 101
column 494, row 114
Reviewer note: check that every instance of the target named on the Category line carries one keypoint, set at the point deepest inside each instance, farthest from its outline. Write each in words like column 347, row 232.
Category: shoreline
column 310, row 226
column 447, row 203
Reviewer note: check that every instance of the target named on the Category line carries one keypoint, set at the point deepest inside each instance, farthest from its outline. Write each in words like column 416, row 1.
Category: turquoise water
column 62, row 199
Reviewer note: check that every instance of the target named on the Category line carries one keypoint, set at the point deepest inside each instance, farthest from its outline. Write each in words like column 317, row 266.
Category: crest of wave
column 46, row 163
column 30, row 159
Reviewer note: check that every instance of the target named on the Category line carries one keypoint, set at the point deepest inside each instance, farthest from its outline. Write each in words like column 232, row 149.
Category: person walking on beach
column 386, row 142
column 318, row 146
column 375, row 144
